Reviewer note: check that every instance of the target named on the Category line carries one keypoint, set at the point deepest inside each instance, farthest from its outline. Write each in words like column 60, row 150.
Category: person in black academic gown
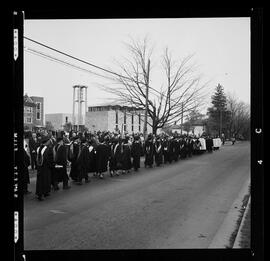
column 158, row 152
column 126, row 156
column 44, row 166
column 166, row 150
column 73, row 152
column 136, row 151
column 174, row 149
column 190, row 145
column 60, row 159
column 112, row 164
column 92, row 156
column 149, row 151
column 118, row 156
column 82, row 162
column 102, row 157
column 209, row 144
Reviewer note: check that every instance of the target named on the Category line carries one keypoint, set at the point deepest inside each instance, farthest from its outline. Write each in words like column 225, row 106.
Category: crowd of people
column 53, row 154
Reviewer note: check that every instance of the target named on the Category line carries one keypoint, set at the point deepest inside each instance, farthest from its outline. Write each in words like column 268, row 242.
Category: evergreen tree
column 218, row 113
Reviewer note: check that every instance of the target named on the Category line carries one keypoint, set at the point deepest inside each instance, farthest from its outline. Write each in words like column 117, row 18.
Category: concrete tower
column 79, row 97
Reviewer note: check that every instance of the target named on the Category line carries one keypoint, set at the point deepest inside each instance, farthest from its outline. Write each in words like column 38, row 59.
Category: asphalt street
column 181, row 205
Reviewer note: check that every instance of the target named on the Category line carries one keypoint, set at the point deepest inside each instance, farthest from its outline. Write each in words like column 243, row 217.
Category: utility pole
column 182, row 117
column 220, row 122
column 146, row 100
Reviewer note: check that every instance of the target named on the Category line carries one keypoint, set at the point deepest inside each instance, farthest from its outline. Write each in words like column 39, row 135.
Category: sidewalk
column 242, row 239
column 232, row 230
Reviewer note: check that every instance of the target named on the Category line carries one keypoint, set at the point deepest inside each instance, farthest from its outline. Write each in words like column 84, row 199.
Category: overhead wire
column 88, row 63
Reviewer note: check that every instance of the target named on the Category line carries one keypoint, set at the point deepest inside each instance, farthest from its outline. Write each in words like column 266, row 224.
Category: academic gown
column 166, row 151
column 82, row 162
column 209, row 144
column 72, row 157
column 158, row 153
column 43, row 182
column 92, row 159
column 174, row 150
column 136, row 151
column 112, row 163
column 60, row 153
column 149, row 153
column 126, row 157
column 102, row 157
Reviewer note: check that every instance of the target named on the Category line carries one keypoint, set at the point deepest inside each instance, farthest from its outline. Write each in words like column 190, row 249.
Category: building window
column 28, row 120
column 38, row 105
column 125, row 117
column 116, row 117
column 38, row 115
column 66, row 119
column 28, row 109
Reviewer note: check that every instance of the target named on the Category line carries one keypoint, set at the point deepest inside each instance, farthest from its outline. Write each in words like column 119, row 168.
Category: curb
column 239, row 233
column 223, row 236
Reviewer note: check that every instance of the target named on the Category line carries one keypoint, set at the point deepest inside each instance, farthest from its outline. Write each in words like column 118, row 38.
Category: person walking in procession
column 82, row 162
column 158, row 152
column 149, row 151
column 60, row 159
column 44, row 166
column 136, row 151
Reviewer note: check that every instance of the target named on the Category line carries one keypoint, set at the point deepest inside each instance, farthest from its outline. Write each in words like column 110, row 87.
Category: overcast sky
column 221, row 47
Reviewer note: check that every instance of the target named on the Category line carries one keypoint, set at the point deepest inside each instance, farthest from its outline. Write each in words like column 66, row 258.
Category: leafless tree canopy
column 181, row 91
column 240, row 115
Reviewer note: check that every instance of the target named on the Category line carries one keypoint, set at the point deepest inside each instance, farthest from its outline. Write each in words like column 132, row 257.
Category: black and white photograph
column 137, row 133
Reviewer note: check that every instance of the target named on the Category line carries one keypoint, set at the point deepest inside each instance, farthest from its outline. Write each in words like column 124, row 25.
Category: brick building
column 33, row 112
column 108, row 117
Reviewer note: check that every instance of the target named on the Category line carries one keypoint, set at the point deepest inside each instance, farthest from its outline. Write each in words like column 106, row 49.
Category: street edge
column 239, row 234
column 229, row 225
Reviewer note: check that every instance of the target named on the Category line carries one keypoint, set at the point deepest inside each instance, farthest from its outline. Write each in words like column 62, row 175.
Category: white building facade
column 115, row 117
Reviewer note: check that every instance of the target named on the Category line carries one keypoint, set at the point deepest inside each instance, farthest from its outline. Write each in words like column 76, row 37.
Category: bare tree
column 239, row 123
column 182, row 93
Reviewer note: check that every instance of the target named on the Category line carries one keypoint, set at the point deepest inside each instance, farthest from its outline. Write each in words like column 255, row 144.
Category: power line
column 80, row 60
column 51, row 58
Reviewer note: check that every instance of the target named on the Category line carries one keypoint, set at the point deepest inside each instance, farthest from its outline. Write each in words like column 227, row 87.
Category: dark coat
column 60, row 158
column 92, row 159
column 102, row 157
column 174, row 150
column 33, row 145
column 44, row 166
column 190, row 145
column 113, row 163
column 166, row 151
column 73, row 152
column 158, row 153
column 209, row 144
column 136, row 152
column 83, row 161
column 183, row 148
column 126, row 157
column 149, row 153
column 118, row 154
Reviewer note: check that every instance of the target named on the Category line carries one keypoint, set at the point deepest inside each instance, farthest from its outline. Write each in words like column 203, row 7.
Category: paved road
column 181, row 205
